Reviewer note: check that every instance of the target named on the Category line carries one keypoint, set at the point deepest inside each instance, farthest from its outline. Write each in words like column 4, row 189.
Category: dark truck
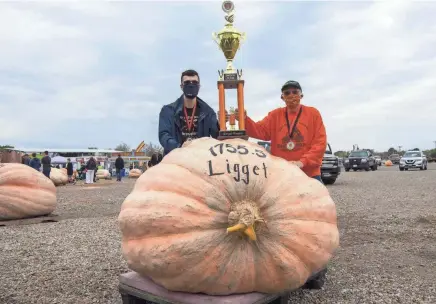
column 395, row 158
column 330, row 168
column 360, row 160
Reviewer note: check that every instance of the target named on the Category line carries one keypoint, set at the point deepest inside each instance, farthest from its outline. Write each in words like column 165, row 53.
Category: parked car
column 395, row 158
column 360, row 160
column 330, row 168
column 378, row 160
column 413, row 160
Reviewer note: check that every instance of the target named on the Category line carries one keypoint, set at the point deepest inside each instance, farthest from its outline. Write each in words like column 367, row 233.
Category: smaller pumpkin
column 135, row 173
column 103, row 174
column 58, row 177
column 64, row 170
column 388, row 163
column 24, row 192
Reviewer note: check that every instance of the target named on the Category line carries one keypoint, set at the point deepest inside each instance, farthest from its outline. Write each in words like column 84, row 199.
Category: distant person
column 188, row 117
column 46, row 164
column 25, row 160
column 35, row 163
column 91, row 165
column 153, row 161
column 70, row 170
column 119, row 165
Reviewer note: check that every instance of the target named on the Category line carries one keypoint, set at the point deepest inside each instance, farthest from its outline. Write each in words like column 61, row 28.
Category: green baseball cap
column 291, row 84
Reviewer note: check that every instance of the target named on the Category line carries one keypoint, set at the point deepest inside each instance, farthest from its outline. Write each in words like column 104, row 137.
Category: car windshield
column 378, row 157
column 358, row 154
column 412, row 154
column 395, row 155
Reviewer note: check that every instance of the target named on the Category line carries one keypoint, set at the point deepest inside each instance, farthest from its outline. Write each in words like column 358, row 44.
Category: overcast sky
column 83, row 74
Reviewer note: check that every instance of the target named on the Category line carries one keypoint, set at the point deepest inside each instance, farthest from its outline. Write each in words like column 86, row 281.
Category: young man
column 187, row 118
column 296, row 131
column 35, row 163
column 46, row 164
column 119, row 165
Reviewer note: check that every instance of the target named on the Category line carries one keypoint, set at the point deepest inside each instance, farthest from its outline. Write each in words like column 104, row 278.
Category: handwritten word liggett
column 241, row 173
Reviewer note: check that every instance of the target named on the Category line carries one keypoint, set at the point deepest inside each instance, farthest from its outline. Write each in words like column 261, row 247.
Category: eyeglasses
column 188, row 82
column 289, row 92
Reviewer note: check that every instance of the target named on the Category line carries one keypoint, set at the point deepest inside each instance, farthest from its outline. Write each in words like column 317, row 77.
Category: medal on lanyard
column 291, row 145
column 190, row 121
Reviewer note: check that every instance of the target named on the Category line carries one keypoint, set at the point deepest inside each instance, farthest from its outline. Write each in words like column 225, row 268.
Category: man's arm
column 260, row 129
column 313, row 157
column 215, row 126
column 167, row 139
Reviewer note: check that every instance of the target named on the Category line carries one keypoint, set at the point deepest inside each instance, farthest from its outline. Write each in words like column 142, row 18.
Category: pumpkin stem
column 243, row 217
column 250, row 233
column 236, row 227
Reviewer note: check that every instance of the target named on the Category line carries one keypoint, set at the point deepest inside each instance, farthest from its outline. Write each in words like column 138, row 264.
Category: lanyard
column 291, row 131
column 190, row 122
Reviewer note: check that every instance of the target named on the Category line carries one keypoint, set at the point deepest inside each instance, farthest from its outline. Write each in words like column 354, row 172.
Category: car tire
column 401, row 169
column 354, row 170
column 329, row 181
column 367, row 169
column 425, row 167
column 347, row 169
column 373, row 168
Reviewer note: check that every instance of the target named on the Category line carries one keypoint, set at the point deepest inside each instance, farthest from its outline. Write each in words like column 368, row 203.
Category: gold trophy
column 229, row 39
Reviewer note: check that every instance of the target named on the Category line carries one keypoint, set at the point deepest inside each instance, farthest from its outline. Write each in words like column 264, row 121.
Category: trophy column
column 229, row 40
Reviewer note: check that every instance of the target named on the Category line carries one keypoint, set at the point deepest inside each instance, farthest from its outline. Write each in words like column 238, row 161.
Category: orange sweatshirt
column 309, row 136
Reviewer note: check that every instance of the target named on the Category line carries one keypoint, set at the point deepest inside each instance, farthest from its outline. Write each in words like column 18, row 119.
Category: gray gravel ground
column 387, row 222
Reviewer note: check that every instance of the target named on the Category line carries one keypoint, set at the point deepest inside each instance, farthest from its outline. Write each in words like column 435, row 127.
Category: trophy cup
column 229, row 40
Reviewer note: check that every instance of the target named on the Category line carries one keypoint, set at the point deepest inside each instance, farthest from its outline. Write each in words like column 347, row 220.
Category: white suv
column 413, row 159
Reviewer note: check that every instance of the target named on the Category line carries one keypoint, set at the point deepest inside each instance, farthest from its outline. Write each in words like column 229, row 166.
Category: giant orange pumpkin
column 135, row 173
column 58, row 176
column 103, row 174
column 24, row 192
column 224, row 217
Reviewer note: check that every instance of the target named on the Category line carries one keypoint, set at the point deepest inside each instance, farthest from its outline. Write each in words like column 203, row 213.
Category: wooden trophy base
column 231, row 134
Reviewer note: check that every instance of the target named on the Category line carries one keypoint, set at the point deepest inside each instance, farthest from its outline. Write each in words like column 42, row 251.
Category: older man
column 296, row 131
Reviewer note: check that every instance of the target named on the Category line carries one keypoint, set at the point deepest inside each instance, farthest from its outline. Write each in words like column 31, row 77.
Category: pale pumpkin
column 135, row 173
column 58, row 177
column 388, row 163
column 103, row 174
column 24, row 192
column 224, row 217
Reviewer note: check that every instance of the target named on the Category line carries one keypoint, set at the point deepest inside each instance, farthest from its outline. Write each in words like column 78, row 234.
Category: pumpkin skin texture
column 195, row 232
column 135, row 173
column 58, row 177
column 24, row 192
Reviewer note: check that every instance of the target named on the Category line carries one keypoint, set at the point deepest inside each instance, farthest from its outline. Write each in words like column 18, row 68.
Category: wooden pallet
column 32, row 220
column 136, row 289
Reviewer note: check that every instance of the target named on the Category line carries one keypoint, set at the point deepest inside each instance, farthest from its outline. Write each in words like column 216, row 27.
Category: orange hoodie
column 309, row 136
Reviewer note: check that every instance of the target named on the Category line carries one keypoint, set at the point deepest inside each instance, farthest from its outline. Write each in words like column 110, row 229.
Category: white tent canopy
column 58, row 160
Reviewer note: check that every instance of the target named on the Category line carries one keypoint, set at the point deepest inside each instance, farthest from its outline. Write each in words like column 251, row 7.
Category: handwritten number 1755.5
column 241, row 149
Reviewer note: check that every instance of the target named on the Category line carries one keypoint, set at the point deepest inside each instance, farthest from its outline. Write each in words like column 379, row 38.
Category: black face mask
column 191, row 90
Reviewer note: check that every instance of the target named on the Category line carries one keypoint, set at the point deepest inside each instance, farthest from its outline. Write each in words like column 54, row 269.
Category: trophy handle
column 216, row 39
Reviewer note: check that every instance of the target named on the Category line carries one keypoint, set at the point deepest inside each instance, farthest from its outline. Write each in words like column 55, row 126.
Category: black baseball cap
column 291, row 84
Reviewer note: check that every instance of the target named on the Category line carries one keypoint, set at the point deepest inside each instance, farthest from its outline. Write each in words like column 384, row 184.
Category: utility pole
column 434, row 141
column 399, row 148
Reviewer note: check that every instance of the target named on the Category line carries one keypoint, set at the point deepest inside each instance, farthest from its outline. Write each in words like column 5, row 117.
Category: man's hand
column 227, row 116
column 298, row 163
column 237, row 114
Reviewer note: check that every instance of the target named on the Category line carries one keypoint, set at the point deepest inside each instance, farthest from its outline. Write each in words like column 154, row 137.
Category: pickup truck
column 330, row 169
